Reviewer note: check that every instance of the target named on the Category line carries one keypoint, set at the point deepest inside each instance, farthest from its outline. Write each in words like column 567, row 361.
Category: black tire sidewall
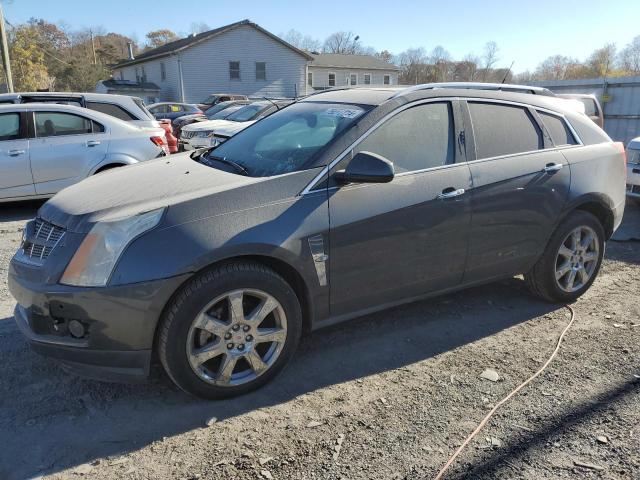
column 201, row 291
column 572, row 221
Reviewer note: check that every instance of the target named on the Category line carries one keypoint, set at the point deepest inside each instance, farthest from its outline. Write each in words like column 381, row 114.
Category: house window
column 121, row 74
column 332, row 79
column 387, row 79
column 143, row 77
column 310, row 79
column 353, row 79
column 163, row 72
column 367, row 79
column 261, row 71
column 234, row 70
column 137, row 75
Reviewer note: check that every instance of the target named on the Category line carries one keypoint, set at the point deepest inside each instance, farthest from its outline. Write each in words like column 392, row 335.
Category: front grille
column 41, row 237
column 188, row 133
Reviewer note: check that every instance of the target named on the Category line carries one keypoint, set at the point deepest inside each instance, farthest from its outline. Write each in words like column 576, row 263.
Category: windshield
column 216, row 108
column 248, row 112
column 225, row 113
column 289, row 139
column 211, row 99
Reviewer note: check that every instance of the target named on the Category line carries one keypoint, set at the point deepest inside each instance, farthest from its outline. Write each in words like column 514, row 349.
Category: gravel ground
column 390, row 395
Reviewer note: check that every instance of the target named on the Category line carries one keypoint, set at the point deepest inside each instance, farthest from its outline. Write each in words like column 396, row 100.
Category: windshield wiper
column 240, row 168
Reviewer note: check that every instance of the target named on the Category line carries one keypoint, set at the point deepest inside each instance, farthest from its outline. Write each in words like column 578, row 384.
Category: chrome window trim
column 325, row 171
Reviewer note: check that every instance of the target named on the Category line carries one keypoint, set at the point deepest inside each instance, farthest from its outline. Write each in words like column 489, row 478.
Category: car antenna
column 272, row 102
column 505, row 75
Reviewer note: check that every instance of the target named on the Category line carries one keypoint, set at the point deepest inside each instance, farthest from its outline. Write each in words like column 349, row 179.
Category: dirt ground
column 388, row 396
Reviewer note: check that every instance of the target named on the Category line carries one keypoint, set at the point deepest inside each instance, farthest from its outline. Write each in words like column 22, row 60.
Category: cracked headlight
column 93, row 262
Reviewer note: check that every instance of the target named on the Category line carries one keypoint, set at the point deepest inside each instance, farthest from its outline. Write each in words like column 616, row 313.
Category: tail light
column 161, row 142
column 620, row 147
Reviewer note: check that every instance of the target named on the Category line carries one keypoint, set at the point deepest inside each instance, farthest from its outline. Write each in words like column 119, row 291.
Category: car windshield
column 211, row 99
column 248, row 112
column 216, row 108
column 287, row 140
column 225, row 113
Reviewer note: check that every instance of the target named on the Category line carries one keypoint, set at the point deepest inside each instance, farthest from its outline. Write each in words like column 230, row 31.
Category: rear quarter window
column 111, row 109
column 503, row 130
column 558, row 130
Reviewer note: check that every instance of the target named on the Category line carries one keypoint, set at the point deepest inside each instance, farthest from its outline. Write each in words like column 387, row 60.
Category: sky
column 526, row 32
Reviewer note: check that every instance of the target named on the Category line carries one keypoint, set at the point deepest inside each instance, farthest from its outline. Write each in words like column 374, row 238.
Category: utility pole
column 5, row 52
column 93, row 48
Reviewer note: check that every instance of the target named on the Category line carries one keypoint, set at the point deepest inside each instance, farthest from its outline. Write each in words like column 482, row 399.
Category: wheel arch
column 599, row 206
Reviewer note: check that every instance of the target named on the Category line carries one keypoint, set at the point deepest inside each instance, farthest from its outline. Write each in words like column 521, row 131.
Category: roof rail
column 505, row 87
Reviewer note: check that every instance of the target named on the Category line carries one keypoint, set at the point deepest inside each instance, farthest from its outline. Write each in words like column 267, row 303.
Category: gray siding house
column 328, row 70
column 244, row 58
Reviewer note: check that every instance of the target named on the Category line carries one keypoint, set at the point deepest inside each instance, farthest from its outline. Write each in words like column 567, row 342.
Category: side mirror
column 366, row 167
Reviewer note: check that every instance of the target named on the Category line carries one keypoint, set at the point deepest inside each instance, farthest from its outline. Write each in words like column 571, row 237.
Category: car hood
column 142, row 187
column 211, row 125
column 231, row 130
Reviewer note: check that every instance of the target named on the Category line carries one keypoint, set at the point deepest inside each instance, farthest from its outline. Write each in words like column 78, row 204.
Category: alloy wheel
column 236, row 337
column 577, row 259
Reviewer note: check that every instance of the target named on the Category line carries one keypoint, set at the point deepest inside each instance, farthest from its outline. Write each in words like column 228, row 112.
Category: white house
column 244, row 58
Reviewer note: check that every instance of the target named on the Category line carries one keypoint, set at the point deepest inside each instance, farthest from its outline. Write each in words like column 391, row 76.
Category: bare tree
column 556, row 67
column 385, row 56
column 198, row 27
column 489, row 58
column 602, row 60
column 303, row 42
column 413, row 62
column 342, row 42
column 630, row 56
column 469, row 68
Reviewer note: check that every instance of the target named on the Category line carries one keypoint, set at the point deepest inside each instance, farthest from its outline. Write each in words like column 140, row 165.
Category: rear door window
column 590, row 108
column 415, row 139
column 56, row 124
column 503, row 130
column 9, row 126
column 558, row 130
column 111, row 109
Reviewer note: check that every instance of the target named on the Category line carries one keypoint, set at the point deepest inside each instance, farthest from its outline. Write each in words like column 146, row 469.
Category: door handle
column 552, row 167
column 93, row 143
column 450, row 193
column 15, row 153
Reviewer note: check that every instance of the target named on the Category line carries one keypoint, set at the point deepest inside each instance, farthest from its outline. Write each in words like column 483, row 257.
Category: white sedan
column 47, row 147
column 213, row 132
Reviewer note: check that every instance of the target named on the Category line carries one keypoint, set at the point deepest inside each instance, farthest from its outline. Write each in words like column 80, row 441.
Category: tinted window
column 246, row 113
column 111, row 109
column 503, row 130
column 417, row 138
column 557, row 128
column 9, row 126
column 55, row 124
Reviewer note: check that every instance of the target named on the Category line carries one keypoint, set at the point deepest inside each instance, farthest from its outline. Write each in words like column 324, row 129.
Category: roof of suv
column 378, row 95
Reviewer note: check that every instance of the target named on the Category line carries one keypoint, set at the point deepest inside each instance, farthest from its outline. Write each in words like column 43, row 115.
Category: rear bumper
column 119, row 324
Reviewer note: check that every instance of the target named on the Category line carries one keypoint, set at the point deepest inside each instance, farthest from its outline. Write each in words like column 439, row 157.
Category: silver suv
column 129, row 109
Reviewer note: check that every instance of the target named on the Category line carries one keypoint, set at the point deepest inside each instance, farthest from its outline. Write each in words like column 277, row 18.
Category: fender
column 113, row 159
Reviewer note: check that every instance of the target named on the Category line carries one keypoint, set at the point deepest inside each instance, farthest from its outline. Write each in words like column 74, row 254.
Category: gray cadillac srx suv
column 343, row 203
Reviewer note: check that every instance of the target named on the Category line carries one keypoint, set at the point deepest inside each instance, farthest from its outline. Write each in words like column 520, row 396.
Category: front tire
column 571, row 260
column 229, row 330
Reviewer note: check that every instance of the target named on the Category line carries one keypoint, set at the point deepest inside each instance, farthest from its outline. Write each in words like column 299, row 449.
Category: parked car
column 221, row 115
column 47, row 147
column 213, row 132
column 169, row 110
column 212, row 113
column 592, row 108
column 216, row 98
column 172, row 140
column 129, row 109
column 633, row 169
column 339, row 205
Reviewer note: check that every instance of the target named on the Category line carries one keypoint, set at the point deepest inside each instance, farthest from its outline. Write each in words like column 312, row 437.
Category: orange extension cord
column 507, row 398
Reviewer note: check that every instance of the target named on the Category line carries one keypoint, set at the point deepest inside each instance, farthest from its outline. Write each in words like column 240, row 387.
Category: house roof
column 182, row 43
column 339, row 60
column 113, row 83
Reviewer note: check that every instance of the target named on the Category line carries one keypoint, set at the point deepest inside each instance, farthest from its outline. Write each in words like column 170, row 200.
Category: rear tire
column 229, row 330
column 571, row 260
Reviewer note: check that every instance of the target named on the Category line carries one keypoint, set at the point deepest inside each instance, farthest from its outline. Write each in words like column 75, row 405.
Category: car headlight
column 93, row 262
